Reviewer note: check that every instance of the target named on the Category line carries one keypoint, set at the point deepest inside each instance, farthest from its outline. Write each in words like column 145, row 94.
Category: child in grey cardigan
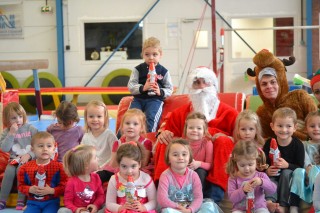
column 15, row 139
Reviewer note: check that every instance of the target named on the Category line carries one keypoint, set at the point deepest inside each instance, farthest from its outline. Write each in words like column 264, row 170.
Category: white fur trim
column 202, row 72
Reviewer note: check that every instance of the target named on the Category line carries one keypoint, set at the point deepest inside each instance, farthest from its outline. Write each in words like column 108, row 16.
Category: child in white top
column 130, row 157
column 97, row 133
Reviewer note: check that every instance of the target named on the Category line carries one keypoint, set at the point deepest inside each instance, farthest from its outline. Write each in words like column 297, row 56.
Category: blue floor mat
column 10, row 210
column 42, row 124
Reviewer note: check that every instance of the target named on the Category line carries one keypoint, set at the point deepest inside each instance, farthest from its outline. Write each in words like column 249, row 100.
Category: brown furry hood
column 264, row 59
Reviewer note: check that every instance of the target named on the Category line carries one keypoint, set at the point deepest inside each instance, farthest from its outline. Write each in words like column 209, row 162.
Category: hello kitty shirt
column 20, row 143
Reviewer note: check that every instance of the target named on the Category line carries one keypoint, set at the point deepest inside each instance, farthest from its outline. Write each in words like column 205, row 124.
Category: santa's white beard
column 206, row 101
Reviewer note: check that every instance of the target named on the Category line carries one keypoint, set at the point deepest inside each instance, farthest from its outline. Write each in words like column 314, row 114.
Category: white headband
column 267, row 71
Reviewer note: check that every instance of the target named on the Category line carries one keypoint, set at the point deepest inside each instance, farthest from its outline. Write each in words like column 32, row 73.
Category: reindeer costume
column 298, row 100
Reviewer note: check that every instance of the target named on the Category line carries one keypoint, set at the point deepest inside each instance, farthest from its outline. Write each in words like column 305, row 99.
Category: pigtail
column 66, row 162
column 231, row 166
column 131, row 149
column 261, row 160
column 76, row 159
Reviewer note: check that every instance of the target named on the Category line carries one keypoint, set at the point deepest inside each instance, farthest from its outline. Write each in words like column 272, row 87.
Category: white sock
column 294, row 209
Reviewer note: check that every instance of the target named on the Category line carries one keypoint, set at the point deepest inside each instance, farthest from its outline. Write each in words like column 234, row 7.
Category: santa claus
column 203, row 88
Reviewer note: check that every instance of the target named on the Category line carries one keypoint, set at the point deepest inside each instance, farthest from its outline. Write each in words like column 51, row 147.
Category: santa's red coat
column 222, row 146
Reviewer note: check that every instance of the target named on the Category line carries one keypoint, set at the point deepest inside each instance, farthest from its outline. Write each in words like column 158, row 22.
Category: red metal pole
column 214, row 40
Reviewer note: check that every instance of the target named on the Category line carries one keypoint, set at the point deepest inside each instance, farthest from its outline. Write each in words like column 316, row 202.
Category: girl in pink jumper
column 130, row 157
column 196, row 132
column 84, row 192
column 179, row 187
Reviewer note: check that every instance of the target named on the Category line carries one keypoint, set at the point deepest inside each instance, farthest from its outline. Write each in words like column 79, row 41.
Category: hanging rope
column 192, row 50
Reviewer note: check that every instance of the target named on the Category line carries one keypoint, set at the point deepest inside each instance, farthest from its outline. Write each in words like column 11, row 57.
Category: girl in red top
column 84, row 190
column 133, row 124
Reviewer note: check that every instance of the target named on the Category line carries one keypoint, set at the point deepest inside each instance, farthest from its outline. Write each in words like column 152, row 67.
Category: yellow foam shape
column 12, row 200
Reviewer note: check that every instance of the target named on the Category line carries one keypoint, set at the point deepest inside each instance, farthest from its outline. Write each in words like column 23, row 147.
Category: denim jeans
column 152, row 108
column 213, row 192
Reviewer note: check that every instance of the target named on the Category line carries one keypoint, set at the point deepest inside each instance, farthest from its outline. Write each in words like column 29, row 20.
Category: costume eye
column 316, row 92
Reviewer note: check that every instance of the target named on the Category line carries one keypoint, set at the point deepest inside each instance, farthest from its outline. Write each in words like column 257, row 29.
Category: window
column 106, row 36
column 280, row 42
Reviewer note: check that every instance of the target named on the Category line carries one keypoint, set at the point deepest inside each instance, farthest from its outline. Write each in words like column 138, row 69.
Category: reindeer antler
column 251, row 72
column 289, row 62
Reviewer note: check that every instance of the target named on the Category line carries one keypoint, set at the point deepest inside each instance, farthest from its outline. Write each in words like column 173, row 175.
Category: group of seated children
column 279, row 172
column 88, row 158
column 272, row 175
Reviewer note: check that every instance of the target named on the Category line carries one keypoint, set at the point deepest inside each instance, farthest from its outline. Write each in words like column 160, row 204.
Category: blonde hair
column 182, row 142
column 96, row 103
column 197, row 115
column 247, row 150
column 309, row 116
column 284, row 112
column 152, row 42
column 41, row 135
column 77, row 159
column 249, row 115
column 133, row 150
column 11, row 108
column 139, row 114
column 67, row 112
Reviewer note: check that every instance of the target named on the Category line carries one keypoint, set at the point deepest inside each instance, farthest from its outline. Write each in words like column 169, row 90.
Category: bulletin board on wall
column 104, row 37
column 284, row 38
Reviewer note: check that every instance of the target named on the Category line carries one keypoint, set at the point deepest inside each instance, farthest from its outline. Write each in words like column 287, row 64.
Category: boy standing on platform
column 148, row 93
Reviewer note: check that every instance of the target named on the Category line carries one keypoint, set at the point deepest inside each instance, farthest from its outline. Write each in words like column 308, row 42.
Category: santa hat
column 315, row 78
column 202, row 72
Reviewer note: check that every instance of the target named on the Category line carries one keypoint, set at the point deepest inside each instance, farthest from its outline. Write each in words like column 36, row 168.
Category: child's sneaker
column 20, row 205
column 2, row 204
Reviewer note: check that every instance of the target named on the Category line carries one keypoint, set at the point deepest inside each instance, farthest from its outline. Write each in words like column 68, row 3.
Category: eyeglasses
column 316, row 92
